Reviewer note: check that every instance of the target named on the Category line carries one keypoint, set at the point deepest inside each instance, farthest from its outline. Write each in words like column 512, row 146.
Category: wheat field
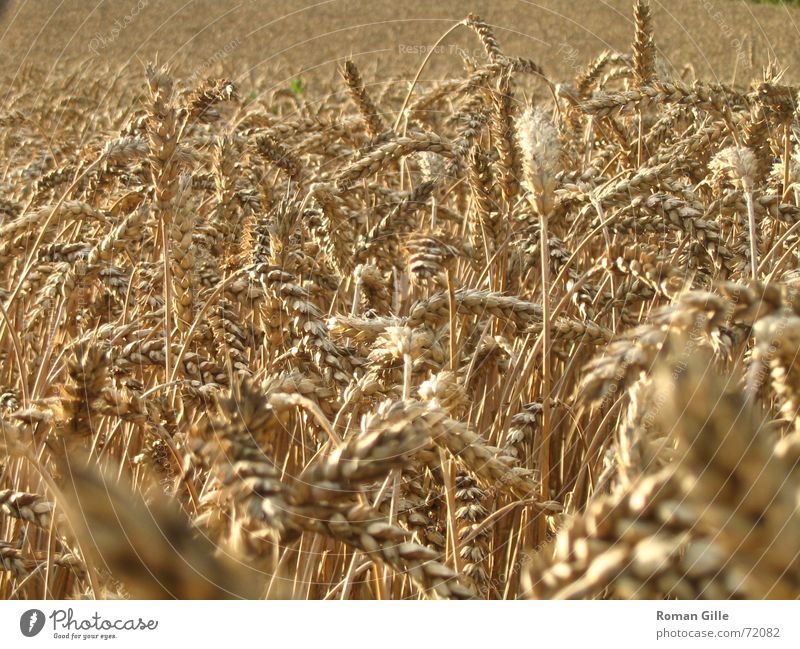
column 492, row 336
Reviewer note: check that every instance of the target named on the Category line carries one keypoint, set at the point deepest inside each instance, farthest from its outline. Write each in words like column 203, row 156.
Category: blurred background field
column 720, row 39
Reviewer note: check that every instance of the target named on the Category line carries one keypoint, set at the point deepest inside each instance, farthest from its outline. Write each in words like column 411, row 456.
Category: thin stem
column 419, row 72
column 167, row 298
column 787, row 157
column 751, row 221
column 449, row 491
column 451, row 298
column 544, row 454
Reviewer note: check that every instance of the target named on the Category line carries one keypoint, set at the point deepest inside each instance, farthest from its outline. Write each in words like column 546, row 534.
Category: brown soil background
column 278, row 40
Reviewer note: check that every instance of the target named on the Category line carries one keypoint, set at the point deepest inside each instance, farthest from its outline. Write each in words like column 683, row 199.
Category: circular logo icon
column 31, row 622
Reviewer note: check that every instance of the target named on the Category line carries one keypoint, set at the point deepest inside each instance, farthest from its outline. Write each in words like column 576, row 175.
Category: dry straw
column 273, row 344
